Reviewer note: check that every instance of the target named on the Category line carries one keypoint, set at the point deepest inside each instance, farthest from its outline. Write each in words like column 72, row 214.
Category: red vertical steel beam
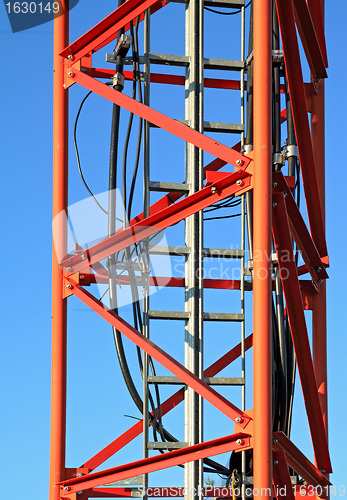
column 60, row 141
column 319, row 345
column 262, row 355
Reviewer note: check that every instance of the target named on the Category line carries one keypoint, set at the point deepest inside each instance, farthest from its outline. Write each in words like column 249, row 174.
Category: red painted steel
column 309, row 39
column 159, row 221
column 159, row 355
column 159, row 492
column 298, row 462
column 262, row 335
column 166, row 406
column 158, row 462
column 316, row 11
column 162, row 281
column 299, row 230
column 214, row 83
column 106, row 31
column 168, row 211
column 299, row 107
column 298, row 328
column 319, row 319
column 60, row 173
column 281, row 479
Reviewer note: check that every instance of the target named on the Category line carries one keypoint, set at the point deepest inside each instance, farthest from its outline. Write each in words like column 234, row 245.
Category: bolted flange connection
column 275, row 462
column 69, row 286
column 274, row 204
column 213, row 189
column 71, row 74
column 239, row 441
column 239, row 163
column 239, row 182
column 239, row 420
column 66, row 488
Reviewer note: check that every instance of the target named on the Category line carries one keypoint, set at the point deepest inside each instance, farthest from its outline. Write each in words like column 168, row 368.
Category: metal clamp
column 118, row 80
column 291, row 151
column 278, row 159
column 277, row 56
column 249, row 59
column 123, row 45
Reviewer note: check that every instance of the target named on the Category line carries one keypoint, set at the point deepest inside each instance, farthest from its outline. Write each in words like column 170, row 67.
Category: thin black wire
column 222, row 217
column 78, row 156
column 227, row 13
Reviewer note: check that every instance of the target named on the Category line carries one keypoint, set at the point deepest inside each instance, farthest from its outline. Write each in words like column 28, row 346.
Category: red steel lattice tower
column 260, row 171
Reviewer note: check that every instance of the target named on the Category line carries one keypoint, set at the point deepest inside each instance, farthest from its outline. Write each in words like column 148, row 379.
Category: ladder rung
column 209, row 380
column 232, row 4
column 168, row 315
column 182, row 315
column 224, row 380
column 233, row 128
column 169, row 186
column 162, row 250
column 230, row 253
column 224, row 64
column 223, row 316
column 173, row 445
column 168, row 59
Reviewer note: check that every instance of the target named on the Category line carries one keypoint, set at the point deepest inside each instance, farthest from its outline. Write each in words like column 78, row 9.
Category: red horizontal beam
column 309, row 39
column 295, row 311
column 162, row 461
column 297, row 461
column 187, row 377
column 301, row 123
column 162, row 281
column 227, row 186
column 165, row 407
column 215, row 83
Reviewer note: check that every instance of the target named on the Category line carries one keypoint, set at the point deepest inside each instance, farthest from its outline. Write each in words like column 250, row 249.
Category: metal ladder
column 194, row 252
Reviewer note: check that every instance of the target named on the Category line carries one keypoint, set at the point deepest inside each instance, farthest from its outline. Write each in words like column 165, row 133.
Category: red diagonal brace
column 159, row 355
column 298, row 462
column 281, row 478
column 298, row 329
column 162, row 121
column 106, row 30
column 159, row 221
column 165, row 407
column 158, row 462
column 302, row 128
column 318, row 21
column 299, row 230
column 309, row 39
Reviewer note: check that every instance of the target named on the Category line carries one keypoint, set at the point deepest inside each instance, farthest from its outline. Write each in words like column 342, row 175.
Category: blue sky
column 95, row 415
